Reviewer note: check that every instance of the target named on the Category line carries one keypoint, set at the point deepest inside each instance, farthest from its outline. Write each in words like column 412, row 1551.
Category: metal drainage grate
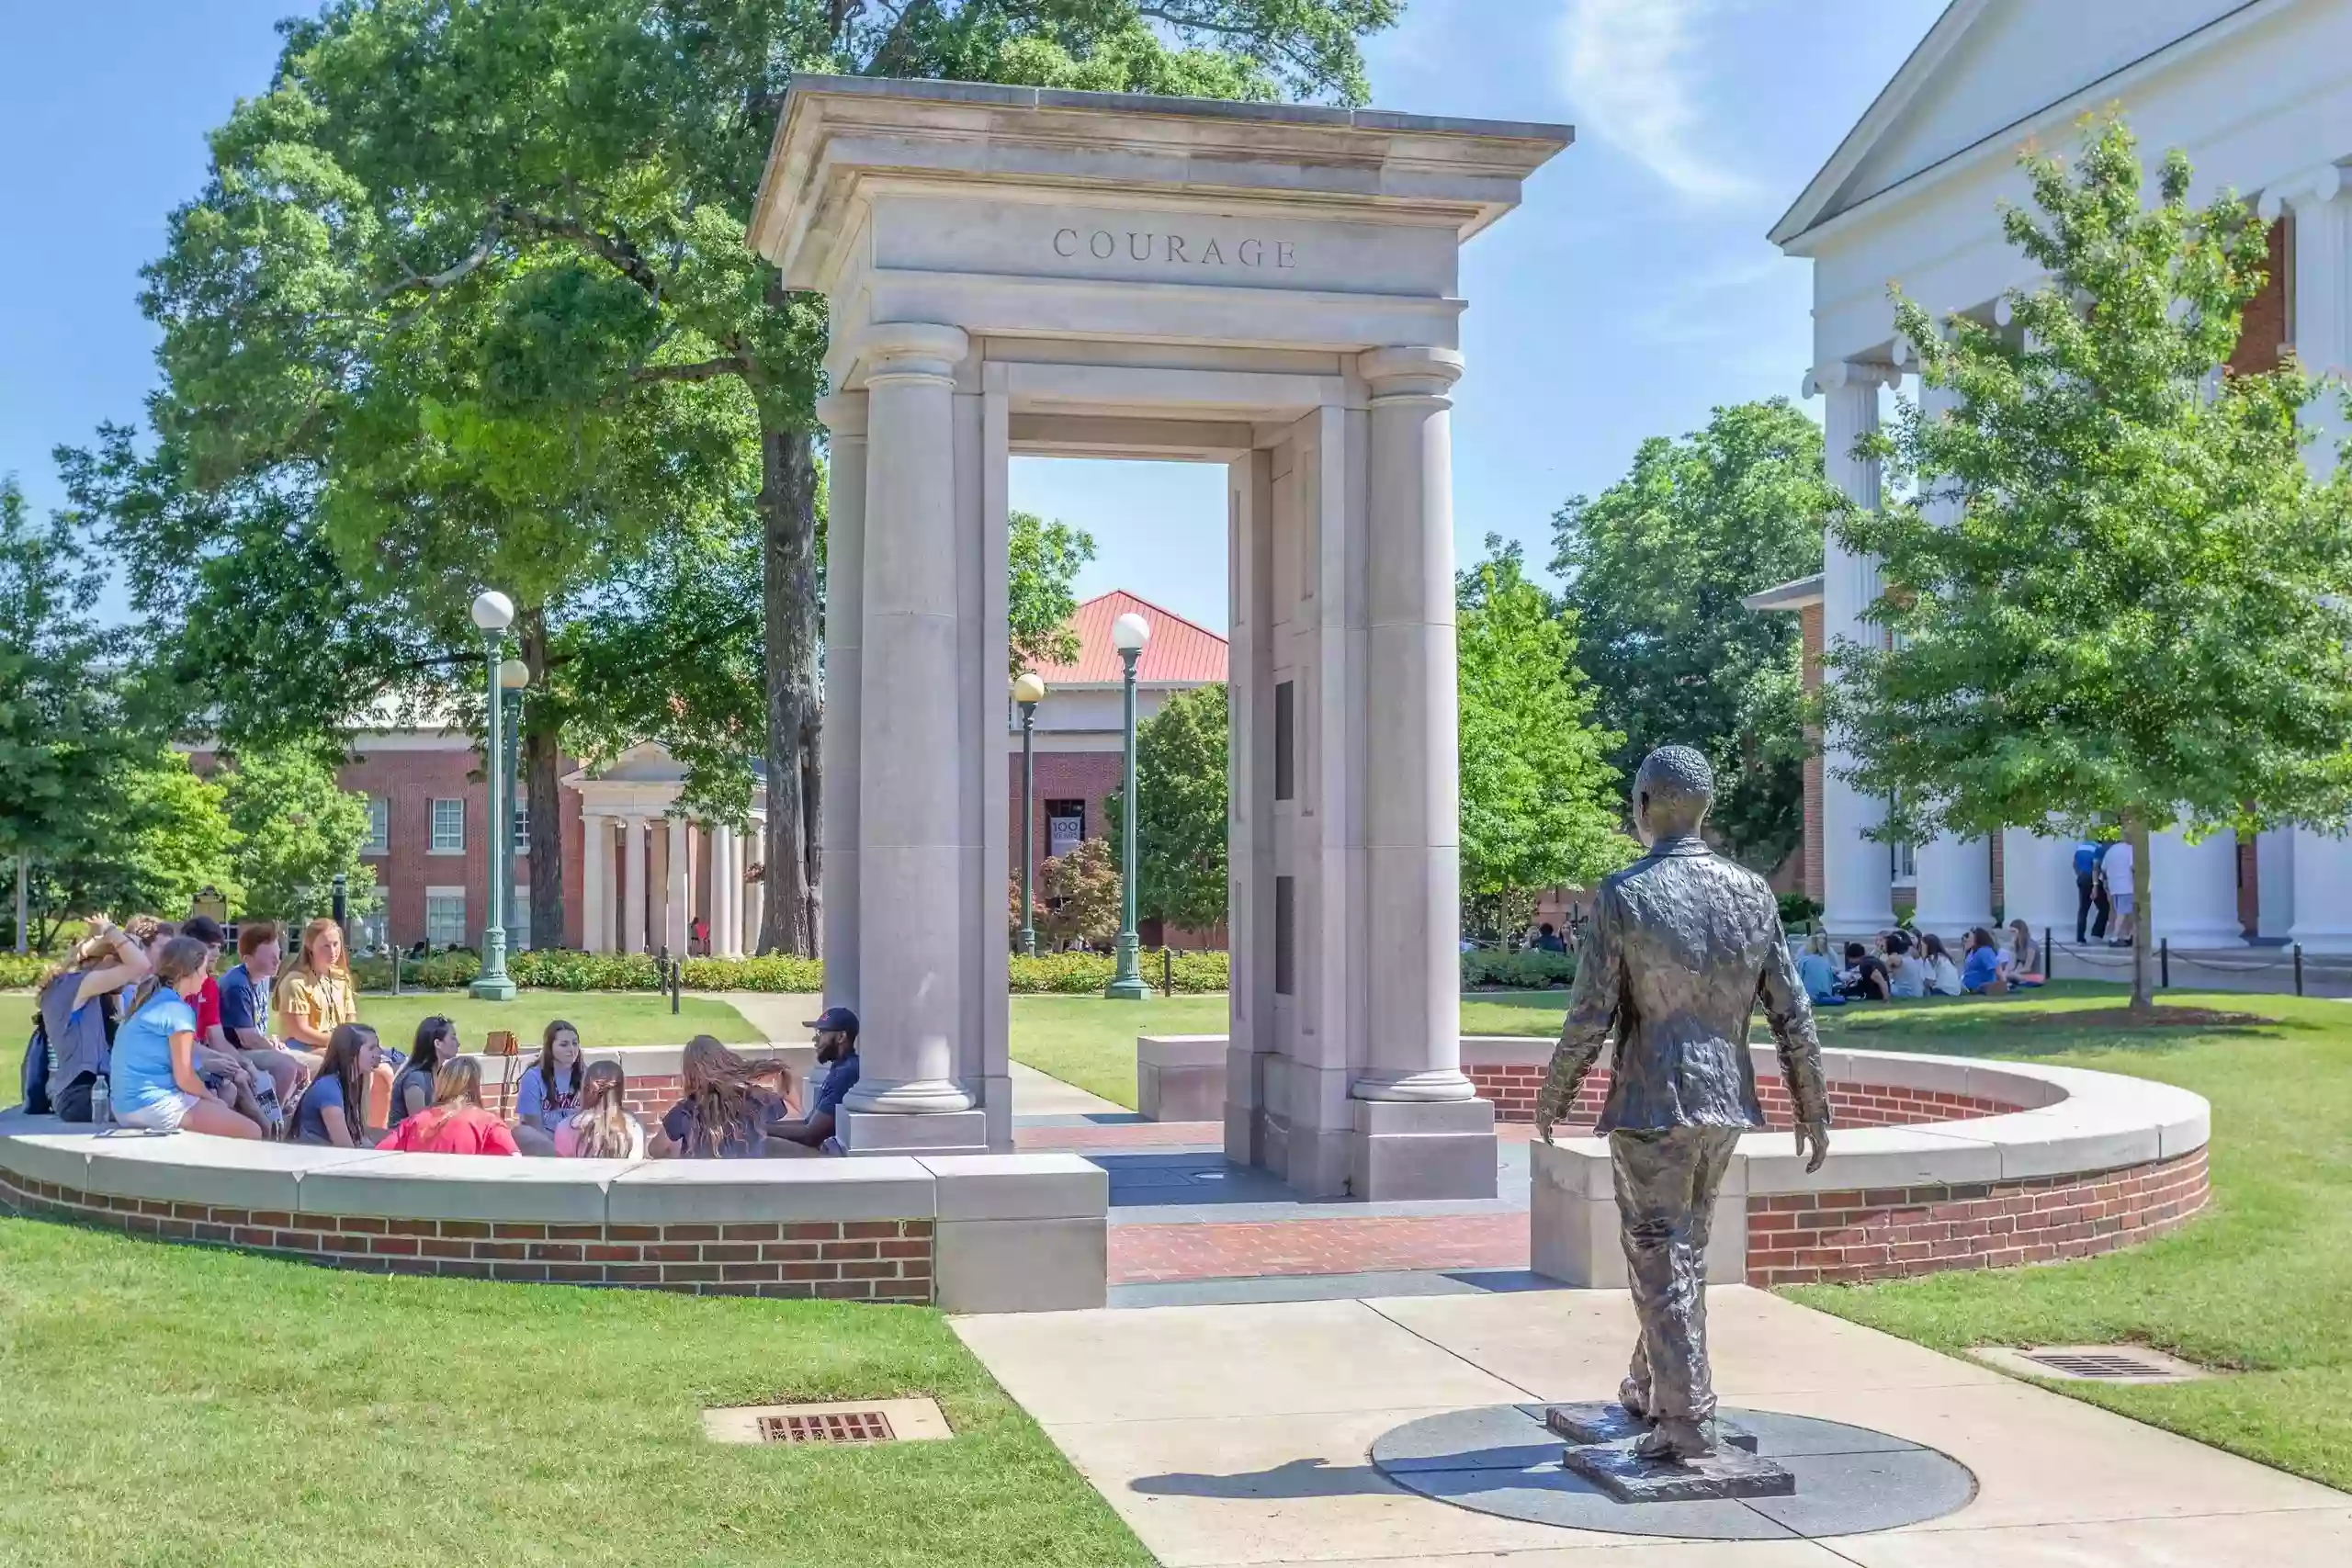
column 2093, row 1364
column 832, row 1426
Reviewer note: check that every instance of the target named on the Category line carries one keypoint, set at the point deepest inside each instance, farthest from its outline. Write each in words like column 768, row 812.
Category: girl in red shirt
column 456, row 1122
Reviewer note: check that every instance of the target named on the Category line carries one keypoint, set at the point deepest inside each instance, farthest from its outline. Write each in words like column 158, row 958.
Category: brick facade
column 1803, row 1238
column 1513, row 1089
column 880, row 1261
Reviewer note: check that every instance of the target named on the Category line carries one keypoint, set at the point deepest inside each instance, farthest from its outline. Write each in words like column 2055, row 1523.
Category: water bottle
column 101, row 1103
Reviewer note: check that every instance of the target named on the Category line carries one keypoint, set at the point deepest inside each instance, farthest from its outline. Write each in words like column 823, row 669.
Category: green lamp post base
column 1127, row 983
column 493, row 984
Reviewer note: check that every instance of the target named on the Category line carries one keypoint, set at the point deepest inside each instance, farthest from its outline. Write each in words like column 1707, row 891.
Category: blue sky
column 1631, row 293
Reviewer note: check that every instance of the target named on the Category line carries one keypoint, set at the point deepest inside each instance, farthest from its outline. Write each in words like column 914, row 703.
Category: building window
column 448, row 827
column 1285, row 739
column 445, row 915
column 1065, row 827
column 379, row 826
column 522, row 825
column 1285, row 936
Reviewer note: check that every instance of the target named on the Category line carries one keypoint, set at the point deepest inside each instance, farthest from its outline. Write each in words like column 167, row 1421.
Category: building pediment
column 1984, row 78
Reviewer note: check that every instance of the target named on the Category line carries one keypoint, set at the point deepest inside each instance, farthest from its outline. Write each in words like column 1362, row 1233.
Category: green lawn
column 1090, row 1043
column 2261, row 1284
column 602, row 1018
column 168, row 1406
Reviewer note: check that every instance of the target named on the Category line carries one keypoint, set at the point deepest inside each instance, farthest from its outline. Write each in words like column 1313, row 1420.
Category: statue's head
column 1671, row 793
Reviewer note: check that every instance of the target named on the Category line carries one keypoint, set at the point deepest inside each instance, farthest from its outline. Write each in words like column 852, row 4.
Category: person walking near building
column 2115, row 868
column 2087, row 895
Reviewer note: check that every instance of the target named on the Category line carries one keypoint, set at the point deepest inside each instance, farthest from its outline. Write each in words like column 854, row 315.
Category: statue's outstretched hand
column 1549, row 1109
column 1814, row 1135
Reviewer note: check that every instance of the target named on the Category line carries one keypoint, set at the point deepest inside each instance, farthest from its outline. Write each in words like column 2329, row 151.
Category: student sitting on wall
column 435, row 1042
column 723, row 1111
column 601, row 1128
column 331, row 1109
column 456, row 1123
column 154, row 1083
column 74, row 1000
column 550, row 1092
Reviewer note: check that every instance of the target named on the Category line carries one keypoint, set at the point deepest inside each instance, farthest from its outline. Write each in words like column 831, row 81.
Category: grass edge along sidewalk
column 386, row 1421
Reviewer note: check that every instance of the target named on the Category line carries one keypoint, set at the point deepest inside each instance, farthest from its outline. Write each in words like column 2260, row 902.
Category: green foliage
column 152, row 836
column 1656, row 566
column 1179, row 835
column 1539, row 804
column 296, row 828
column 1085, row 974
column 558, row 969
column 2139, row 612
column 1042, row 562
column 18, row 974
column 1797, row 910
column 1081, row 892
column 1530, row 969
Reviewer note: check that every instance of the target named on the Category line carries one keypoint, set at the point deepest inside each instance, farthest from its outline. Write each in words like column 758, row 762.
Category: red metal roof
column 1180, row 653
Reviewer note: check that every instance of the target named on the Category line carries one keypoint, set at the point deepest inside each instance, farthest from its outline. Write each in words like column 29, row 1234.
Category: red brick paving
column 1148, row 1254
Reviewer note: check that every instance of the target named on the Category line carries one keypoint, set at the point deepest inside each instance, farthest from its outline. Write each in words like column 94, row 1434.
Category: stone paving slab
column 1142, row 1253
column 1233, row 1435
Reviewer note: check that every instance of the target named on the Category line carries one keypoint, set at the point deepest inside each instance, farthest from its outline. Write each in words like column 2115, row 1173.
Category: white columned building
column 631, row 822
column 1272, row 288
column 2259, row 95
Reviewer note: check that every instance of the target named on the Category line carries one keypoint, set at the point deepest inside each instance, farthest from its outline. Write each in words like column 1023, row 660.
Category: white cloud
column 1634, row 76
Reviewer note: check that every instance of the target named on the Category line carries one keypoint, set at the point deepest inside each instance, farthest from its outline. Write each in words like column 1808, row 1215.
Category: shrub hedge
column 1527, row 970
column 18, row 973
column 561, row 970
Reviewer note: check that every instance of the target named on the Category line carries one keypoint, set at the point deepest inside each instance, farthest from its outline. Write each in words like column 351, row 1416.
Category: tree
column 1042, row 563
column 1179, row 829
column 149, row 838
column 61, row 720
column 296, row 829
column 1081, row 892
column 1539, row 803
column 492, row 260
column 1656, row 566
column 2140, row 617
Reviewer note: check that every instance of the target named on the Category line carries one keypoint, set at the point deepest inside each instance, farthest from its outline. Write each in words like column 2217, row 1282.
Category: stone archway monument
column 1272, row 288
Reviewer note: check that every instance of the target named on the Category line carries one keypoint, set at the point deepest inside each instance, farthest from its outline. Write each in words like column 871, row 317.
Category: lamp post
column 493, row 613
column 1028, row 692
column 513, row 675
column 1129, row 633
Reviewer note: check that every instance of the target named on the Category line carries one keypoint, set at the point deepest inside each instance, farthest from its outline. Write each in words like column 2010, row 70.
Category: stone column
column 2274, row 876
column 2038, row 882
column 2194, row 890
column 1857, row 872
column 1421, row 1129
column 677, row 905
column 1955, row 890
column 2321, row 879
column 595, row 897
column 722, row 890
column 910, row 967
column 839, row 748
column 633, row 855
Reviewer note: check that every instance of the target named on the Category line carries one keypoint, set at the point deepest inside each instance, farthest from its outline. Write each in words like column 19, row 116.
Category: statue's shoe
column 1675, row 1439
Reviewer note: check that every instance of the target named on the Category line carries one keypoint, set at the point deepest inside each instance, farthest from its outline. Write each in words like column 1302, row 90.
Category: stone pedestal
column 1432, row 1149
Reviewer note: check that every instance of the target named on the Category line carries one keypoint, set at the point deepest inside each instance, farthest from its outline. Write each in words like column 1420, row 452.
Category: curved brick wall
column 1514, row 1086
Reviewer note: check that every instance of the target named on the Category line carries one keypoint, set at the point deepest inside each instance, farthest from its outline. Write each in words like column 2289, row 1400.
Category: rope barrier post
column 2164, row 957
column 2299, row 969
column 2049, row 956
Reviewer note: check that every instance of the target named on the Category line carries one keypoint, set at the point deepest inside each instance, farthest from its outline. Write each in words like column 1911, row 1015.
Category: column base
column 896, row 1132
column 1416, row 1149
column 501, row 989
column 2321, row 938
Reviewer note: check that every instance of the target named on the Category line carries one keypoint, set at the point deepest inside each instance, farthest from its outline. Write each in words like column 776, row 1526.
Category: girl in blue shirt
column 330, row 1107
column 1980, row 972
column 154, row 1083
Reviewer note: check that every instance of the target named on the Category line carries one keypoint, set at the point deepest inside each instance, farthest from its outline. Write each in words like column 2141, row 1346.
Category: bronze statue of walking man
column 1682, row 945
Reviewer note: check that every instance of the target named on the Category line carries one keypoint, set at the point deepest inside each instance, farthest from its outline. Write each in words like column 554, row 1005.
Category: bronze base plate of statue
column 1682, row 946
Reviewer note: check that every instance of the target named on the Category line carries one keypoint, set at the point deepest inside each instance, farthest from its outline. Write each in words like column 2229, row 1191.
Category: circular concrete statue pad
column 1501, row 1460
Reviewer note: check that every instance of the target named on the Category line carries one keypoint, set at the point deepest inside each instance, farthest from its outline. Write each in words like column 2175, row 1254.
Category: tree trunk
column 788, row 594
column 2135, row 833
column 542, row 787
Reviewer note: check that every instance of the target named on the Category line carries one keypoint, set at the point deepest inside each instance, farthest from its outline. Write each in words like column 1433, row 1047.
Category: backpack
column 34, row 1080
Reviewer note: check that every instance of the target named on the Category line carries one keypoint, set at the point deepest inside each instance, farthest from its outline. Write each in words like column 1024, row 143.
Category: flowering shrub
column 17, row 973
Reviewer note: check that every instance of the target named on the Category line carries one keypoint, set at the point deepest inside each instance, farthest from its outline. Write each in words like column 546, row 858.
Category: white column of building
column 910, row 951
column 2320, row 913
column 1412, row 815
column 595, row 895
column 727, row 891
column 677, row 904
column 2038, row 882
column 2194, row 890
column 839, row 746
column 1955, row 891
column 1857, row 872
column 633, row 853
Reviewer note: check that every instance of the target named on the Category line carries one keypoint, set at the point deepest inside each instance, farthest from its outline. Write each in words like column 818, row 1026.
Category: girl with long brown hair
column 75, row 999
column 549, row 1091
column 329, row 1112
column 603, row 1127
column 723, row 1110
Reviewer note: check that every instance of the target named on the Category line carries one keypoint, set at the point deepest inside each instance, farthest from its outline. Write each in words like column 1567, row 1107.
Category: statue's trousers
column 1666, row 1182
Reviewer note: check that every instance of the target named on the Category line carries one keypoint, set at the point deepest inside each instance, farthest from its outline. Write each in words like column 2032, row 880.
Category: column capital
column 1409, row 371
column 2304, row 191
column 923, row 351
column 842, row 415
column 1839, row 374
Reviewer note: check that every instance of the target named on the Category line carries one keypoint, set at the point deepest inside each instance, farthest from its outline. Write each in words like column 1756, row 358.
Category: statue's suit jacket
column 1682, row 945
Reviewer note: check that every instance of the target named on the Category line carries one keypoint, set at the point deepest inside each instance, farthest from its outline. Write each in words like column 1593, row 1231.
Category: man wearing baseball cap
column 836, row 1032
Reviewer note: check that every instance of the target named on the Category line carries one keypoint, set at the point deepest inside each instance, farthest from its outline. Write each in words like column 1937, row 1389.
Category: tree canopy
column 295, row 829
column 1181, row 822
column 1656, row 565
column 1043, row 561
column 2139, row 617
column 1540, row 806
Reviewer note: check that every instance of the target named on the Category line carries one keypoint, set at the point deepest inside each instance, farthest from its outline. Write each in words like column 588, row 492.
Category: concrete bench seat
column 969, row 1232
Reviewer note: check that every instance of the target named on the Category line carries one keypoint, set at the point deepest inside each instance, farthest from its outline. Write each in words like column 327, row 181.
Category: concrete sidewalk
column 1240, row 1434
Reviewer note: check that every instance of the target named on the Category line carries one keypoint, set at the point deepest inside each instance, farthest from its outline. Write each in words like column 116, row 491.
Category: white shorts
column 163, row 1115
column 2119, row 902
